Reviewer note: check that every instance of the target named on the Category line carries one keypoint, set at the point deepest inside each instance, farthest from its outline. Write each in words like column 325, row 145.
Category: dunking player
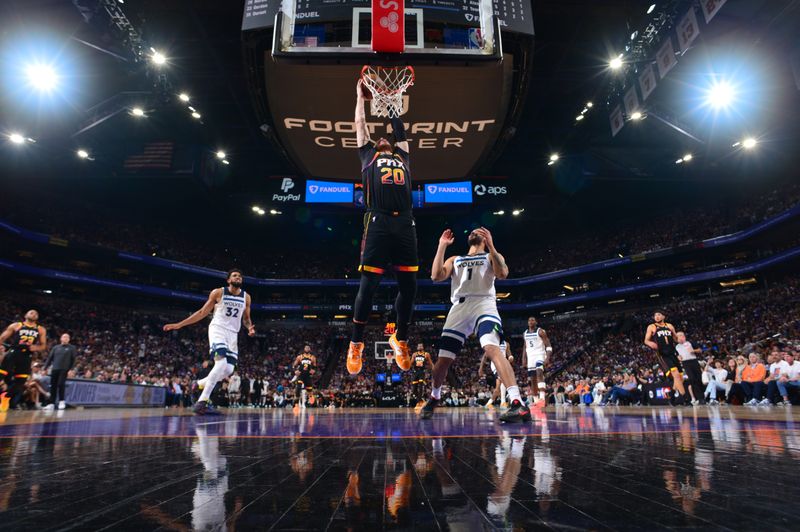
column 24, row 337
column 664, row 345
column 498, row 388
column 305, row 366
column 535, row 353
column 390, row 234
column 420, row 362
column 231, row 306
column 474, row 309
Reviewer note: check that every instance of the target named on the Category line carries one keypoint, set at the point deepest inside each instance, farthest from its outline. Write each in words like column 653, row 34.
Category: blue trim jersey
column 473, row 276
column 229, row 311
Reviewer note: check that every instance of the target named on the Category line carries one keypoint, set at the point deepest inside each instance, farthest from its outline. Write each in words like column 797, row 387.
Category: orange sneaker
column 402, row 355
column 354, row 357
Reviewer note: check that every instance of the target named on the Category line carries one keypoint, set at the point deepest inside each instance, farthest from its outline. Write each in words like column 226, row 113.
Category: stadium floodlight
column 579, row 118
column 16, row 138
column 183, row 97
column 255, row 208
column 499, row 213
column 720, row 95
column 220, row 154
column 679, row 161
column 688, row 157
column 749, row 143
column 137, row 111
column 589, row 105
column 42, row 77
column 615, row 63
column 83, row 154
column 196, row 115
column 651, row 8
column 275, row 212
column 158, row 58
column 517, row 212
column 225, row 161
column 554, row 157
column 636, row 115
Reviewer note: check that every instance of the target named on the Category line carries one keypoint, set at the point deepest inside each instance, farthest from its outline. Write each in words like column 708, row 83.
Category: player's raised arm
column 648, row 338
column 8, row 333
column 399, row 133
column 204, row 311
column 362, row 132
column 246, row 321
column 442, row 269
column 498, row 261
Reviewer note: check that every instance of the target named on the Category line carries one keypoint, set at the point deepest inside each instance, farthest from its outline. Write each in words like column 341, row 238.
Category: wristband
column 549, row 349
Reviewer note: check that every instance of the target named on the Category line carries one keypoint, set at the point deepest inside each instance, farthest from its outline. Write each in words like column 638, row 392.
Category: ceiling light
column 651, row 8
column 720, row 95
column 589, row 105
column 255, row 208
column 688, row 157
column 554, row 157
column 274, row 211
column 637, row 115
column 679, row 161
column 83, row 154
column 220, row 154
column 517, row 212
column 579, row 118
column 196, row 115
column 225, row 161
column 749, row 143
column 158, row 58
column 42, row 77
column 499, row 213
column 137, row 111
column 16, row 138
column 183, row 97
column 616, row 63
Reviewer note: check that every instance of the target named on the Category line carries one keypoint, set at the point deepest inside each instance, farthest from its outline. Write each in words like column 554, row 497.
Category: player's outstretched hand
column 487, row 237
column 251, row 331
column 171, row 327
column 447, row 237
column 359, row 89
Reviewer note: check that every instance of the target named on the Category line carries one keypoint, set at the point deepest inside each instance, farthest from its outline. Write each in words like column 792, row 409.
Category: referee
column 390, row 234
column 688, row 355
column 62, row 358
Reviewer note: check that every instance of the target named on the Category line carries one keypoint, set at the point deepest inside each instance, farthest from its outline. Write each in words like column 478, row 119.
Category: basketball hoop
column 387, row 85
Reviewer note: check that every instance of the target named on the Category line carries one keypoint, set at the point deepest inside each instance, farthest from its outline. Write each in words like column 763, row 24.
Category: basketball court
column 371, row 469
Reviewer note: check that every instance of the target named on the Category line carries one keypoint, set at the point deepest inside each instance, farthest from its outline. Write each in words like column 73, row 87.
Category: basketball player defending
column 305, row 366
column 231, row 307
column 664, row 345
column 498, row 388
column 24, row 337
column 474, row 309
column 390, row 234
column 535, row 354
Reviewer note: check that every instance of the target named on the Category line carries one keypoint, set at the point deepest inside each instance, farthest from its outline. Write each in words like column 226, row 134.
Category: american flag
column 154, row 156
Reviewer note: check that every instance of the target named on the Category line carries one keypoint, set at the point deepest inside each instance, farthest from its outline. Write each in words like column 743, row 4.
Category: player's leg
column 449, row 347
column 541, row 386
column 677, row 382
column 406, row 265
column 490, row 334
column 225, row 352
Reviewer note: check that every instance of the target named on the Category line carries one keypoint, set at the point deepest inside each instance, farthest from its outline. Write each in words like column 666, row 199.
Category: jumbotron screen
column 514, row 15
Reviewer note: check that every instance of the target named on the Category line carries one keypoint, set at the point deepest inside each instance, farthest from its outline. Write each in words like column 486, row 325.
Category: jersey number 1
column 469, row 274
column 393, row 175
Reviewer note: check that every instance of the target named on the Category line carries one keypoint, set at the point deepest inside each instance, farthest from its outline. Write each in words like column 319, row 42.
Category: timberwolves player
column 474, row 310
column 664, row 345
column 420, row 361
column 498, row 388
column 535, row 355
column 24, row 337
column 231, row 306
column 305, row 366
column 390, row 235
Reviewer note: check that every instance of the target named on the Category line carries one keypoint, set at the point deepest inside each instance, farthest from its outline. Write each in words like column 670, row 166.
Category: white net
column 387, row 85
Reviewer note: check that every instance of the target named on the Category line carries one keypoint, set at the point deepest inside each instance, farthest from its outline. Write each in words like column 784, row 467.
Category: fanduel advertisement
column 460, row 192
column 329, row 192
column 453, row 118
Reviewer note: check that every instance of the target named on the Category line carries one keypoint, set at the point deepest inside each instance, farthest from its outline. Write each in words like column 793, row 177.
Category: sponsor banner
column 486, row 192
column 459, row 192
column 617, row 121
column 631, row 101
column 665, row 58
column 687, row 30
column 388, row 26
column 711, row 8
column 286, row 190
column 329, row 192
column 450, row 123
column 647, row 81
column 93, row 393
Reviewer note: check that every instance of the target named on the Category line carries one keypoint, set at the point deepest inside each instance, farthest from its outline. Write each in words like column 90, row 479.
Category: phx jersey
column 390, row 236
column 17, row 362
column 306, row 365
column 418, row 363
column 24, row 338
column 666, row 346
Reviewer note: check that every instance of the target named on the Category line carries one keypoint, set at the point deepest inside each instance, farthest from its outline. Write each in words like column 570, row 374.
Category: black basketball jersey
column 419, row 360
column 25, row 337
column 664, row 339
column 306, row 363
column 386, row 179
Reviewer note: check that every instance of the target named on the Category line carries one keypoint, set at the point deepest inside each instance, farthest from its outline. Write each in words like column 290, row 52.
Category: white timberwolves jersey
column 472, row 276
column 228, row 312
column 534, row 345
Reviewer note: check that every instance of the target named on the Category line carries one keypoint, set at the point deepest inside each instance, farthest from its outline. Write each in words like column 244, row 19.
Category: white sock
column 503, row 391
column 513, row 394
column 220, row 370
column 436, row 392
column 517, row 448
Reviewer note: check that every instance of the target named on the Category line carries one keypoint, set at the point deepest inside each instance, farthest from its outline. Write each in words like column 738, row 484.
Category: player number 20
column 395, row 176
